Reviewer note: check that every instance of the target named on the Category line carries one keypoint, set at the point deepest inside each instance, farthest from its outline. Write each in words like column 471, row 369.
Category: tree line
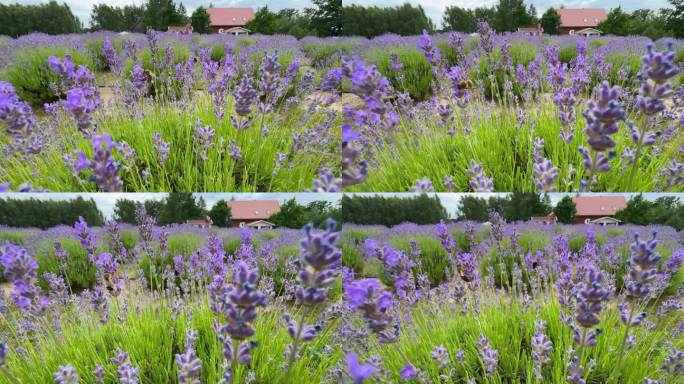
column 295, row 215
column 517, row 206
column 389, row 211
column 53, row 18
column 666, row 210
column 48, row 213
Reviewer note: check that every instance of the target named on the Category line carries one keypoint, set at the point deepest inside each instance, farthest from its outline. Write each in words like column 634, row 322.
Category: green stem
column 632, row 173
column 9, row 375
column 295, row 342
column 624, row 340
column 233, row 363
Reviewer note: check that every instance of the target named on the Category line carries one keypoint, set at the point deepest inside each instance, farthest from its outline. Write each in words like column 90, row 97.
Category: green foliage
column 324, row 54
column 566, row 210
column 105, row 17
column 371, row 21
column 389, row 211
column 31, row 76
column 180, row 207
column 294, row 215
column 432, row 259
column 416, row 74
column 459, row 19
column 551, row 22
column 200, row 21
column 50, row 17
column 80, row 271
column 160, row 14
column 667, row 210
column 153, row 266
column 616, row 23
column 48, row 213
column 287, row 21
column 220, row 214
column 352, row 257
column 95, row 46
column 518, row 206
column 326, row 17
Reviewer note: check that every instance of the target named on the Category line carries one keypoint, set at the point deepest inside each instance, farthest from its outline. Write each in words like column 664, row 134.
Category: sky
column 435, row 8
column 450, row 201
column 106, row 201
column 82, row 8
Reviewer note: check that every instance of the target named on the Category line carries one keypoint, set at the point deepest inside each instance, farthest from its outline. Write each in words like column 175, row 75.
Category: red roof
column 599, row 205
column 253, row 209
column 581, row 17
column 230, row 17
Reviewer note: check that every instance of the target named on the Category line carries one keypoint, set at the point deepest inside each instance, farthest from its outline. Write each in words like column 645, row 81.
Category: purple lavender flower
column 189, row 365
column 643, row 267
column 353, row 171
column 408, row 372
column 66, row 374
column 359, row 372
column 565, row 101
column 479, row 182
column 429, row 50
column 20, row 269
column 488, row 356
column 541, row 349
column 544, row 174
column 162, row 147
column 423, row 185
column 105, row 169
column 441, row 356
column 205, row 137
column 125, row 371
column 366, row 296
column 245, row 96
column 20, row 122
column 82, row 107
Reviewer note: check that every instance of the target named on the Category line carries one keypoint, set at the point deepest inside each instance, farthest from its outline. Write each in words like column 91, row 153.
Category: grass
column 185, row 170
column 423, row 148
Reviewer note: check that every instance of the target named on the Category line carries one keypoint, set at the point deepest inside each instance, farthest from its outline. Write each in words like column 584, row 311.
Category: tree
column 637, row 211
column 523, row 205
column 459, row 19
column 675, row 18
column 48, row 213
column 160, row 14
column 291, row 215
column 473, row 208
column 511, row 14
column 390, row 211
column 179, row 207
column 200, row 21
column 51, row 18
column 220, row 214
column 325, row 18
column 617, row 23
column 551, row 22
column 124, row 211
column 403, row 20
column 566, row 210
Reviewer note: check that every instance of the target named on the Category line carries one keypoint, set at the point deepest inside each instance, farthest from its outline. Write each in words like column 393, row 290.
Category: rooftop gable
column 581, row 17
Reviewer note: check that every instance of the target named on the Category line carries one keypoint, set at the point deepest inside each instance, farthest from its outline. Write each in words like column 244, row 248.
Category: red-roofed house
column 252, row 213
column 598, row 209
column 230, row 20
column 581, row 21
column 206, row 222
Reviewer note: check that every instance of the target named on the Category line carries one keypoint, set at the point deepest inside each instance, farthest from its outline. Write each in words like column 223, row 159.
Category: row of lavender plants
column 163, row 112
column 452, row 303
column 453, row 112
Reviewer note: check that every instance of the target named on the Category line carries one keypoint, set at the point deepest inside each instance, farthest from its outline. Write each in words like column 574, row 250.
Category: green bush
column 417, row 72
column 352, row 257
column 95, row 45
column 321, row 53
column 16, row 237
column 520, row 52
column 158, row 87
column 80, row 272
column 567, row 53
column 597, row 43
column 433, row 258
column 31, row 77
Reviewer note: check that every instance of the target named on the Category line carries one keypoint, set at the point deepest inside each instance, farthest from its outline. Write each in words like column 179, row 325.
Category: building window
column 242, row 224
column 220, row 30
column 572, row 31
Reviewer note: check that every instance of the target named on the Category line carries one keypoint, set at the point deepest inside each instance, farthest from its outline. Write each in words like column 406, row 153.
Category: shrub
column 417, row 72
column 153, row 266
column 31, row 77
column 80, row 272
column 597, row 43
column 16, row 237
column 95, row 45
column 567, row 53
column 324, row 55
column 159, row 88
column 433, row 258
column 352, row 257
column 520, row 52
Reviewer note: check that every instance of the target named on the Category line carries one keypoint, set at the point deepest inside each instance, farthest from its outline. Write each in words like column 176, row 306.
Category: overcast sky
column 435, row 8
column 106, row 201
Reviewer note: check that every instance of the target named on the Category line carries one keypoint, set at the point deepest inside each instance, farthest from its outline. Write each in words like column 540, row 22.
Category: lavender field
column 493, row 112
column 166, row 112
column 455, row 303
